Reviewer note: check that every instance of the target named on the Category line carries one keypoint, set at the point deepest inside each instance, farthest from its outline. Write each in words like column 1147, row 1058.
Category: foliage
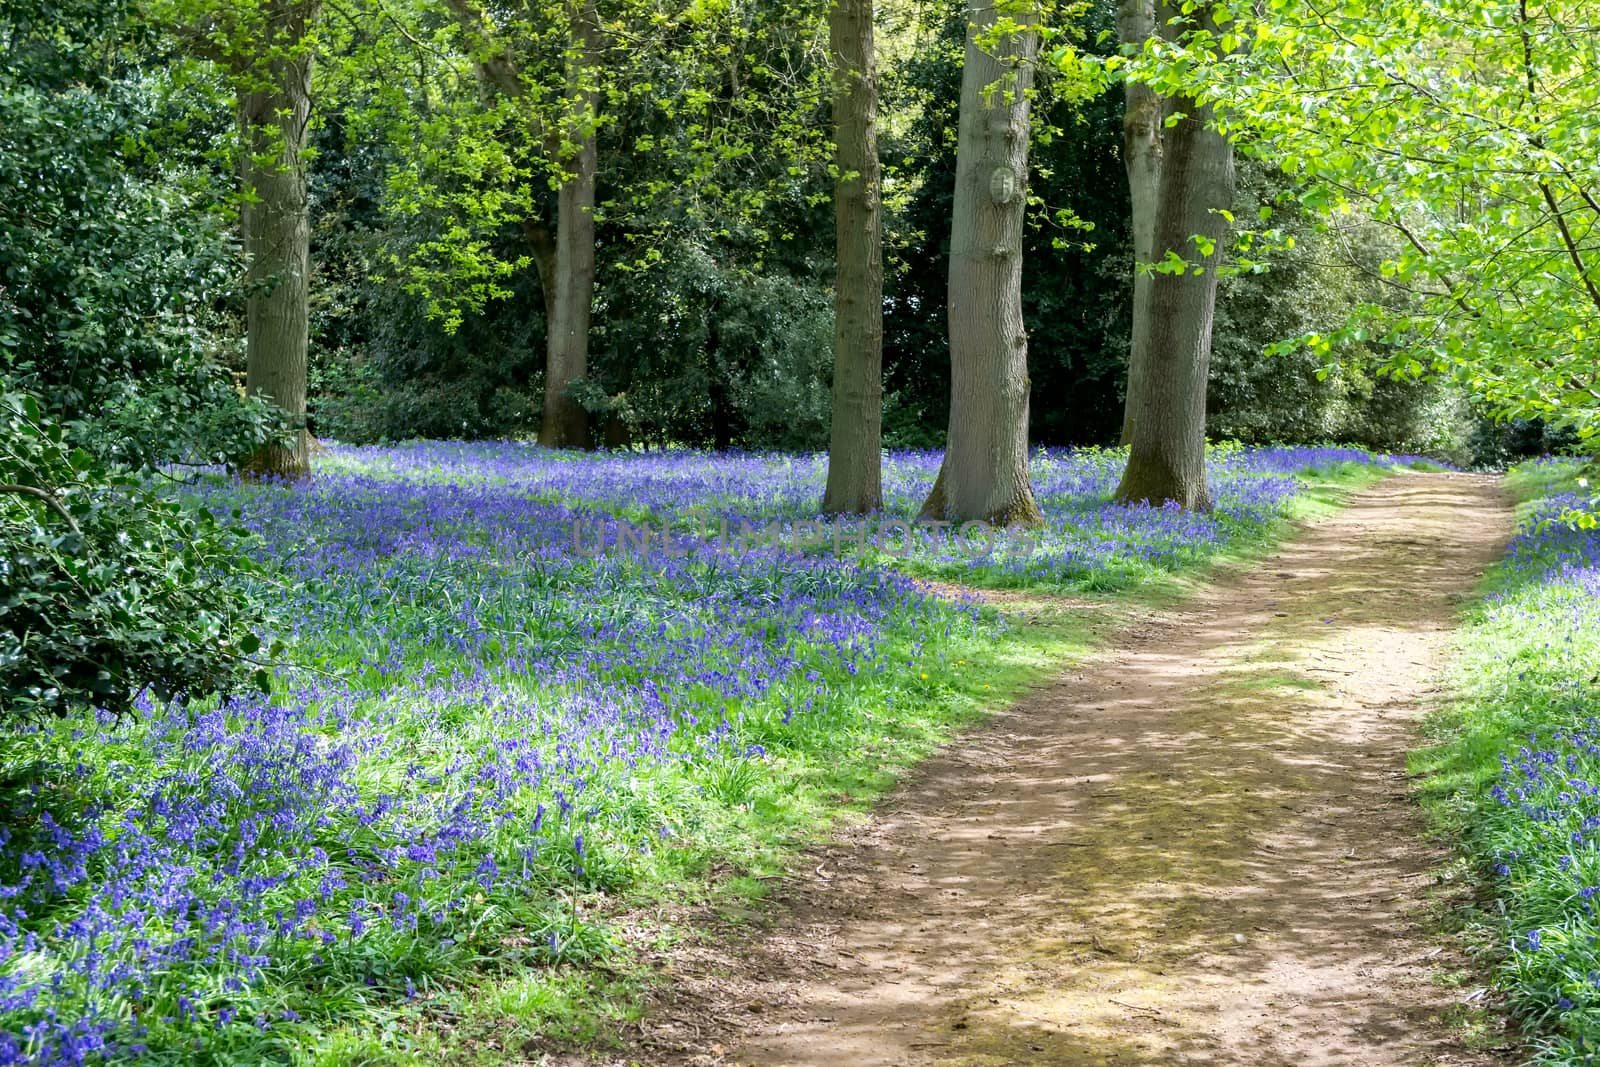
column 115, row 286
column 708, row 326
column 1503, row 443
column 107, row 589
column 382, row 368
column 702, row 352
column 1078, row 284
column 1316, row 275
column 1515, row 770
column 694, row 351
column 708, row 121
column 114, row 274
column 685, row 272
column 1465, row 129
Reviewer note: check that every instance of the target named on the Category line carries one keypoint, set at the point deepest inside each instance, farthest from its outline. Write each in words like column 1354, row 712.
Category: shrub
column 108, row 588
column 116, row 266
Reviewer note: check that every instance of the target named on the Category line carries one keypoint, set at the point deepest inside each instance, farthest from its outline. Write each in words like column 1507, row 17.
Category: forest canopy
column 1379, row 173
column 232, row 228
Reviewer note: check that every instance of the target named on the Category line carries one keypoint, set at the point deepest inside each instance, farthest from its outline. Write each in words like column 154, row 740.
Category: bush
column 107, row 588
column 116, row 267
column 702, row 352
column 1504, row 443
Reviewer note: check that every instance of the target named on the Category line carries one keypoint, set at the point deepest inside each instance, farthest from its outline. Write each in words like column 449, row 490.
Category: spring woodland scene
column 930, row 533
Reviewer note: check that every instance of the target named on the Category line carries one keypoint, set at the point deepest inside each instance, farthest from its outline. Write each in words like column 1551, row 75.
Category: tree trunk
column 854, row 469
column 720, row 400
column 1141, row 154
column 985, row 470
column 276, row 230
column 1166, row 460
column 543, row 244
column 565, row 423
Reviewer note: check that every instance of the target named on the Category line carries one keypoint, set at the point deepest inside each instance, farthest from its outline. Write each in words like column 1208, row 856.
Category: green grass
column 1524, row 674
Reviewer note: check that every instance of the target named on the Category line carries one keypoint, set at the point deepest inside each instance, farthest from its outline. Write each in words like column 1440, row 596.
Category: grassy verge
column 798, row 796
column 1512, row 766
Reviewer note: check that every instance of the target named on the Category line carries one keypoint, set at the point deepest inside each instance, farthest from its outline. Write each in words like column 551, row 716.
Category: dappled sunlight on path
column 1197, row 849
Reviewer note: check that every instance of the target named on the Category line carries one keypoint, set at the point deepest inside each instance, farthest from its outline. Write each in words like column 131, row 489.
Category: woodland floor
column 1197, row 848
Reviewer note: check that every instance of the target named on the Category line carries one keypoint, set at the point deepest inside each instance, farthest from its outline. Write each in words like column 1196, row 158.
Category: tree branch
column 493, row 58
column 1550, row 200
column 49, row 499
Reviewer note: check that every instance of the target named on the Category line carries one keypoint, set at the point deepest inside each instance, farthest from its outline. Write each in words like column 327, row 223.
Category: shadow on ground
column 1199, row 849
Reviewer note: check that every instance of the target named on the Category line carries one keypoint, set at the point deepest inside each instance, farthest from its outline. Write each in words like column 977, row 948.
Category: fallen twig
column 1134, row 1007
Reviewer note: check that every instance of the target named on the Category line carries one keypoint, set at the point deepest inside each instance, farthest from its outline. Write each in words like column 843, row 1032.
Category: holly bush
column 108, row 586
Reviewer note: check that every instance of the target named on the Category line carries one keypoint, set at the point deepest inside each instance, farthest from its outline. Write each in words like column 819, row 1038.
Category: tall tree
column 1167, row 402
column 1073, row 305
column 272, row 67
column 566, row 423
column 1143, row 116
column 565, row 258
column 265, row 49
column 854, row 469
column 985, row 470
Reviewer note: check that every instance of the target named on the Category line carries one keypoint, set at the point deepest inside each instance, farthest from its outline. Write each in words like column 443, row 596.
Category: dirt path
column 1199, row 849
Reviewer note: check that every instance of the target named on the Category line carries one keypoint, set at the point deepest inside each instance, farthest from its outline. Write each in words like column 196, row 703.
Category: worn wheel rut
column 1199, row 848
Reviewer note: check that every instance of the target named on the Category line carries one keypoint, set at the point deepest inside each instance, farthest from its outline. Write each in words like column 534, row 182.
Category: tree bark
column 1141, row 154
column 566, row 423
column 543, row 243
column 276, row 229
column 1166, row 460
column 566, row 259
column 856, row 438
column 985, row 470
